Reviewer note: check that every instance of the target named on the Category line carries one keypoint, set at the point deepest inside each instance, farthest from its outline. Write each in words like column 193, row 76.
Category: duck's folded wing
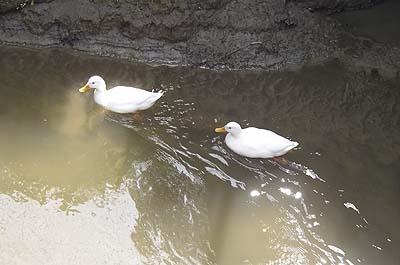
column 123, row 95
column 267, row 140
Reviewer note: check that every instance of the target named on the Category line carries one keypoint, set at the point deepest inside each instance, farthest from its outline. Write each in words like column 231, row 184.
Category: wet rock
column 335, row 6
column 14, row 5
column 11, row 5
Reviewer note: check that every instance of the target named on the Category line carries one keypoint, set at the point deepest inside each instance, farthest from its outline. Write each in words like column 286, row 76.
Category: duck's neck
column 100, row 95
column 236, row 133
column 102, row 87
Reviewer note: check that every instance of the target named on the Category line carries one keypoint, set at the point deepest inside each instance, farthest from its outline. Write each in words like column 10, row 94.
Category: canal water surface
column 83, row 186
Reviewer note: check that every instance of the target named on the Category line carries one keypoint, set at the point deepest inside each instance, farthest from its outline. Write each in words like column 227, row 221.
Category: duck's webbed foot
column 280, row 160
column 137, row 116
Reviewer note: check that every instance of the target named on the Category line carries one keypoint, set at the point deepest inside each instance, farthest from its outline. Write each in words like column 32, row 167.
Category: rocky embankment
column 251, row 34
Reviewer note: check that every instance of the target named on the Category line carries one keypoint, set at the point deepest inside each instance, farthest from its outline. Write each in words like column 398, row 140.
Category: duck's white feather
column 259, row 143
column 123, row 99
column 256, row 143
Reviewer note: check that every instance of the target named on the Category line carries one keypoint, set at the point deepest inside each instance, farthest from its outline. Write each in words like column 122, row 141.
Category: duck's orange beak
column 84, row 88
column 220, row 130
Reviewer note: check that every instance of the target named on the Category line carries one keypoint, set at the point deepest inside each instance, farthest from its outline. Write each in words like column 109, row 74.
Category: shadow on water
column 177, row 192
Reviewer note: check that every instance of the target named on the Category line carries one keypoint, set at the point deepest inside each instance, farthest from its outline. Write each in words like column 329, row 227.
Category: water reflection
column 32, row 232
column 197, row 202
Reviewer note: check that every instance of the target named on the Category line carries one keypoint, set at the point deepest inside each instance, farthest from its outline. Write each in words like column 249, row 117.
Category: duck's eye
column 92, row 83
column 229, row 128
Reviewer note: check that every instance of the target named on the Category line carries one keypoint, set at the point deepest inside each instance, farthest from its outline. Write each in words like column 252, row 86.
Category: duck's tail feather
column 157, row 94
column 158, row 91
column 291, row 146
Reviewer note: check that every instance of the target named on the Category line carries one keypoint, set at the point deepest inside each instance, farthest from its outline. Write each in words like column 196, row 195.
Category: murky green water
column 380, row 23
column 78, row 186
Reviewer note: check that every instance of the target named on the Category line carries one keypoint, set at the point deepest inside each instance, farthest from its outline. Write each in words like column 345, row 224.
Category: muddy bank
column 268, row 35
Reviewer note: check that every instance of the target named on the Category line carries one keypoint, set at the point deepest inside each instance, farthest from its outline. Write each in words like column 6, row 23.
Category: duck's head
column 231, row 127
column 95, row 82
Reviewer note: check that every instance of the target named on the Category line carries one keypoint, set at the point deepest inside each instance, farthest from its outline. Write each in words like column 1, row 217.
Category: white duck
column 255, row 143
column 120, row 99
